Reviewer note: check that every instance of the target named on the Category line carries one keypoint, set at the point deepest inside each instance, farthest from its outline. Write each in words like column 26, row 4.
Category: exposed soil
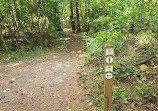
column 49, row 83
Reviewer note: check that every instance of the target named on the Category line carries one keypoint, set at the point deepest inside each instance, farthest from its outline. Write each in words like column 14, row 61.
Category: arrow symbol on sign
column 109, row 59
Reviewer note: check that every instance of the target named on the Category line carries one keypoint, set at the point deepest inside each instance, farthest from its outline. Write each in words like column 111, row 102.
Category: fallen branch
column 141, row 62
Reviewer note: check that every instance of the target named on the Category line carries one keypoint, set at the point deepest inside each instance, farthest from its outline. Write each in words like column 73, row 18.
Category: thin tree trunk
column 55, row 17
column 13, row 21
column 6, row 48
column 86, row 15
column 16, row 18
column 78, row 17
column 85, row 7
column 72, row 17
column 81, row 11
column 88, row 7
column 88, row 25
column 38, row 14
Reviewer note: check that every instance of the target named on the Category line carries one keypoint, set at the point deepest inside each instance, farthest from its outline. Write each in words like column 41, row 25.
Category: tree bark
column 72, row 17
column 88, row 7
column 57, row 24
column 6, row 48
column 78, row 17
column 85, row 3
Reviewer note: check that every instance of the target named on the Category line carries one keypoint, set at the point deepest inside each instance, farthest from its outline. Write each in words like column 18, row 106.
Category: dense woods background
column 38, row 21
column 130, row 25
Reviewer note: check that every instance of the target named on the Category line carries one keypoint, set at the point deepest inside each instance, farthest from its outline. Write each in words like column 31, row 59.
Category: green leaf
column 34, row 90
column 142, row 92
column 6, row 90
column 146, row 95
column 156, row 89
column 143, row 67
column 122, row 75
column 148, row 106
column 122, row 102
column 128, row 53
column 132, row 60
column 114, row 97
column 132, row 105
column 12, row 100
column 3, row 95
column 129, row 97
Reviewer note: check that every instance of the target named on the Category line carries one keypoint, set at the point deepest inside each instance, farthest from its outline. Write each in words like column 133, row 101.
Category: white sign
column 109, row 59
column 108, row 75
column 110, row 51
column 108, row 68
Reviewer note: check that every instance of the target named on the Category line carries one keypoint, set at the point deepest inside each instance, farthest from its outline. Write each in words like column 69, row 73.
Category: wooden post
column 108, row 75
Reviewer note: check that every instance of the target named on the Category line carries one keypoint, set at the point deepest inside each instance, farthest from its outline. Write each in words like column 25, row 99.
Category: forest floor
column 49, row 83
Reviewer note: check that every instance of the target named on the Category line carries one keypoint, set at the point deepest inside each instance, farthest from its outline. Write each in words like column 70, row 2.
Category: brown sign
column 108, row 75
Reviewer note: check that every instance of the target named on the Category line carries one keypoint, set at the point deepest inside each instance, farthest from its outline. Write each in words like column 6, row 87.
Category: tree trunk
column 57, row 24
column 81, row 11
column 85, row 7
column 88, row 7
column 6, row 48
column 15, row 12
column 78, row 17
column 86, row 17
column 72, row 17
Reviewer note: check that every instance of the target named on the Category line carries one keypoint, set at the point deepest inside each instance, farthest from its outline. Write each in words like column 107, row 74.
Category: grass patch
column 26, row 52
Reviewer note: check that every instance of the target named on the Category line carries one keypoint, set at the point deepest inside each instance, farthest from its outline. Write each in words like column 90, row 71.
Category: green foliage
column 95, row 44
column 3, row 95
column 126, row 16
column 126, row 75
column 28, row 25
column 21, row 53
column 30, row 52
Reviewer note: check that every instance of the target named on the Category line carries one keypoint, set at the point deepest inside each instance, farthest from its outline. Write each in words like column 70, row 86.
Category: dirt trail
column 44, row 84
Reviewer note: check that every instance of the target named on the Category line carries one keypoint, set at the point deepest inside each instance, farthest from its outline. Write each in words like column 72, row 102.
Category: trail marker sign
column 109, row 59
column 108, row 74
column 108, row 68
column 109, row 51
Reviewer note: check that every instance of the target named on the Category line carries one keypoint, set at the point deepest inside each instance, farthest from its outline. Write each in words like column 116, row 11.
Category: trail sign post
column 108, row 74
